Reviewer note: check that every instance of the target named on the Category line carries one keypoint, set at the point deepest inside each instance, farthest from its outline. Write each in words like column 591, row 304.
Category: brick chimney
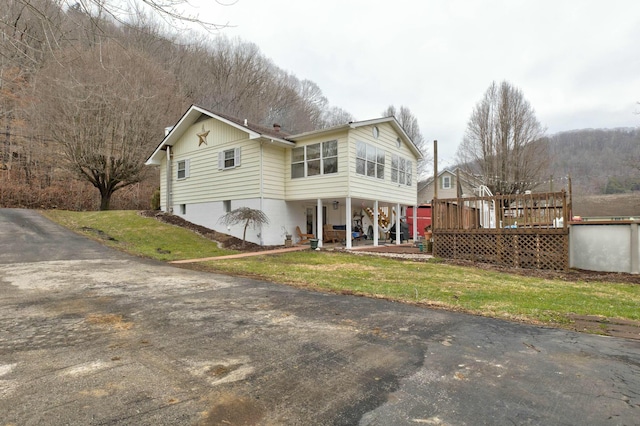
column 276, row 127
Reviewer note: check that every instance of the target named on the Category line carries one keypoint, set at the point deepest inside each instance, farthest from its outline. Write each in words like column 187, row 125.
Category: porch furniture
column 329, row 233
column 304, row 238
column 357, row 236
column 403, row 234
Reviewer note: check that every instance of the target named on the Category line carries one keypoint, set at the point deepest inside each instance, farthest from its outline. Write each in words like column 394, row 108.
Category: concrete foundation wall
column 606, row 246
column 282, row 216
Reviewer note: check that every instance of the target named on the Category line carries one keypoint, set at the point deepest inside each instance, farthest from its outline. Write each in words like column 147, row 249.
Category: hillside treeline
column 599, row 161
column 71, row 81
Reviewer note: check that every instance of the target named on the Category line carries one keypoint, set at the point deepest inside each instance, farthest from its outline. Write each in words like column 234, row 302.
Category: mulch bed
column 226, row 241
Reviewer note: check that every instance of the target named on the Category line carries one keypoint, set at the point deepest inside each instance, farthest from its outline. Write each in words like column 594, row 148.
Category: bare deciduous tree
column 233, row 77
column 409, row 123
column 336, row 116
column 105, row 108
column 504, row 143
column 95, row 79
column 246, row 215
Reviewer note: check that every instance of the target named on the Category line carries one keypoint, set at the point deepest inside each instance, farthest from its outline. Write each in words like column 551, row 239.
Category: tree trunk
column 105, row 200
column 105, row 197
column 244, row 233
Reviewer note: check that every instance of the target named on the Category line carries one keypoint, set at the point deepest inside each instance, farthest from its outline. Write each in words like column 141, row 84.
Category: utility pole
column 435, row 169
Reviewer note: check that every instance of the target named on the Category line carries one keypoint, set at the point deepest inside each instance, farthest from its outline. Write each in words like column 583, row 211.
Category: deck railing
column 521, row 230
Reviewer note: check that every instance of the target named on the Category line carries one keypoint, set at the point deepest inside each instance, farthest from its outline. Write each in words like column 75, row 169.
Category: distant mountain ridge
column 599, row 161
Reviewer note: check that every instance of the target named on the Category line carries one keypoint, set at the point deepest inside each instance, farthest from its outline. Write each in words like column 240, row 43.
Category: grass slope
column 142, row 236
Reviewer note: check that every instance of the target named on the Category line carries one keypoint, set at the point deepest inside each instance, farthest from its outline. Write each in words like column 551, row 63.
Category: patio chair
column 304, row 238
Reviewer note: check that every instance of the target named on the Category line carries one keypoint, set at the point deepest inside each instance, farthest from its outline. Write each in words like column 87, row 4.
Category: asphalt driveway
column 90, row 336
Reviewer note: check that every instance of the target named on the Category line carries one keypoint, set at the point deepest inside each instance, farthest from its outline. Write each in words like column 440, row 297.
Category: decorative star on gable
column 202, row 137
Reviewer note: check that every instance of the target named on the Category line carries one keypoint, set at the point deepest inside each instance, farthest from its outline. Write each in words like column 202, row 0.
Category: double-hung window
column 369, row 160
column 182, row 169
column 314, row 159
column 401, row 170
column 446, row 182
column 229, row 159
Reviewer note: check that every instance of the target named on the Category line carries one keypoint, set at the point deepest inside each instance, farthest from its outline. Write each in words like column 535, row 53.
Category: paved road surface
column 89, row 336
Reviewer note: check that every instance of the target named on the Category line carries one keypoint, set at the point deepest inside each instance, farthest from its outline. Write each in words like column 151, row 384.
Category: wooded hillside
column 84, row 99
column 599, row 161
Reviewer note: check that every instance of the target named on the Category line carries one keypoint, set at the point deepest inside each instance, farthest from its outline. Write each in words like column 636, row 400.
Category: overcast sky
column 576, row 61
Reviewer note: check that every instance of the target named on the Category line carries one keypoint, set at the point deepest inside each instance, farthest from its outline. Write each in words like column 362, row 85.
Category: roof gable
column 194, row 113
column 356, row 124
column 253, row 131
column 464, row 178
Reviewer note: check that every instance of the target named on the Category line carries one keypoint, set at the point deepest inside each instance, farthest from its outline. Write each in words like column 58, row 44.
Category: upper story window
column 401, row 170
column 182, row 169
column 446, row 182
column 314, row 159
column 369, row 160
column 229, row 159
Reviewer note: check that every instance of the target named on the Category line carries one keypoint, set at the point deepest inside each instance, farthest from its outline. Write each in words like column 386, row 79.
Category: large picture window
column 401, row 170
column 369, row 160
column 314, row 159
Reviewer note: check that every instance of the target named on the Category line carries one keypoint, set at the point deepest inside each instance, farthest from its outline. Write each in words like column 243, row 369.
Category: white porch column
column 398, row 230
column 319, row 222
column 376, row 235
column 348, row 222
column 415, row 223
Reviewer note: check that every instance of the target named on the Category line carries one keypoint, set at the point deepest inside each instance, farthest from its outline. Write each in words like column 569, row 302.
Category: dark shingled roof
column 263, row 130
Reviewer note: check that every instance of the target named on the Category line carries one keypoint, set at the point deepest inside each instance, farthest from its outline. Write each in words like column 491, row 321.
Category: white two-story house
column 349, row 176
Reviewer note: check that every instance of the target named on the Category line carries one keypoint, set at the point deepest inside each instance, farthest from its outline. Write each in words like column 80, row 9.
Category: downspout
column 261, row 186
column 169, row 207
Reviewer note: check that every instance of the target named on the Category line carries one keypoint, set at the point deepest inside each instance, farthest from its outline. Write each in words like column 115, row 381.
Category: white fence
column 607, row 246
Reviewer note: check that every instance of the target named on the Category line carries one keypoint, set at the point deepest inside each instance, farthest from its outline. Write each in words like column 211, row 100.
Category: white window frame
column 374, row 160
column 229, row 155
column 446, row 182
column 319, row 157
column 182, row 167
column 401, row 170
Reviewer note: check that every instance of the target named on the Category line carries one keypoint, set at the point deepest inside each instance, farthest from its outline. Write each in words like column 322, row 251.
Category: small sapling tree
column 245, row 215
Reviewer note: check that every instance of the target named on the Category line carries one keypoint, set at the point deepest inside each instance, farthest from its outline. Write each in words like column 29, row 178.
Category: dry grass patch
column 110, row 320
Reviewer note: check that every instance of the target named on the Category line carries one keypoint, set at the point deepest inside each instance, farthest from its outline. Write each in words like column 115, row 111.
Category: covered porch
column 350, row 222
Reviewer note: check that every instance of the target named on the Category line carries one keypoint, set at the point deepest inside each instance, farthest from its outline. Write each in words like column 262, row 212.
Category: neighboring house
column 211, row 164
column 448, row 186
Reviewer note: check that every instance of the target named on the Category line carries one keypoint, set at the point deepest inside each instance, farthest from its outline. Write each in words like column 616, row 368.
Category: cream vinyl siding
column 452, row 191
column 273, row 171
column 320, row 186
column 373, row 188
column 219, row 134
column 205, row 182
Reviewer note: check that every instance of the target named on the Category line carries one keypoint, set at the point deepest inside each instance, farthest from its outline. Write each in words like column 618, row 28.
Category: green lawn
column 439, row 284
column 138, row 235
column 434, row 283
